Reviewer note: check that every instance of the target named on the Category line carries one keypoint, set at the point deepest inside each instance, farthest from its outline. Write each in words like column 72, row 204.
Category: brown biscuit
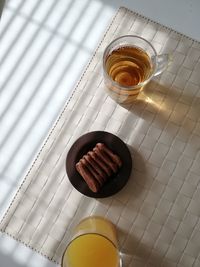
column 95, row 166
column 115, row 158
column 92, row 171
column 87, row 176
column 99, row 162
column 103, row 156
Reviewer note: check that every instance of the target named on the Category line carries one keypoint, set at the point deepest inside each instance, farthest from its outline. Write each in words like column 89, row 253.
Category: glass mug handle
column 162, row 62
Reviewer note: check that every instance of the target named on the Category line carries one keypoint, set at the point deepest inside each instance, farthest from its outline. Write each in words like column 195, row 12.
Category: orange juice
column 97, row 224
column 94, row 244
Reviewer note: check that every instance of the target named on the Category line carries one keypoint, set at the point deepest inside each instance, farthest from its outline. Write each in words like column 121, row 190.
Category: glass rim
column 116, row 84
column 93, row 233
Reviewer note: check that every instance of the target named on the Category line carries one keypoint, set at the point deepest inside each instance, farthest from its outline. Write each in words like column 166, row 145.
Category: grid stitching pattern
column 157, row 213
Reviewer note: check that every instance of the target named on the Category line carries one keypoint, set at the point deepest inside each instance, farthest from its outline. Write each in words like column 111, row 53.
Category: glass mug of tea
column 93, row 243
column 129, row 63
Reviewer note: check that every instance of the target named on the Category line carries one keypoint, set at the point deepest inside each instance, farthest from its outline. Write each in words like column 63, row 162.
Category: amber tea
column 128, row 65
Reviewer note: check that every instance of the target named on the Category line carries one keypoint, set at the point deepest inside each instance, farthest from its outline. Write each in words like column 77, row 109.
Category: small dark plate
column 86, row 143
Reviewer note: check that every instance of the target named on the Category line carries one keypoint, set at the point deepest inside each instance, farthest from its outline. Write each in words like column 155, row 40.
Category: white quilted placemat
column 158, row 211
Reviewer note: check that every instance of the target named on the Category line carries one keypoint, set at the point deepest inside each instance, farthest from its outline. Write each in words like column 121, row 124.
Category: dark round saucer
column 86, row 143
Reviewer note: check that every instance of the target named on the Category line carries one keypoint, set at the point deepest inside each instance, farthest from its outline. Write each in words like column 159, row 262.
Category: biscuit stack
column 97, row 166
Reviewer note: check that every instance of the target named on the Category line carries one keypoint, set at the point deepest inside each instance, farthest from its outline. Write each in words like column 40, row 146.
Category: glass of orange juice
column 93, row 244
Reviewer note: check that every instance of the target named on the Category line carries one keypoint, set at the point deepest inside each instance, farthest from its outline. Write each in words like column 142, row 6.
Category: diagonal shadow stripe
column 34, row 65
column 15, row 14
column 22, row 56
column 17, row 37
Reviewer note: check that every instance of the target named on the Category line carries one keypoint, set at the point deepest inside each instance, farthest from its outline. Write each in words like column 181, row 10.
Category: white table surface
column 44, row 47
